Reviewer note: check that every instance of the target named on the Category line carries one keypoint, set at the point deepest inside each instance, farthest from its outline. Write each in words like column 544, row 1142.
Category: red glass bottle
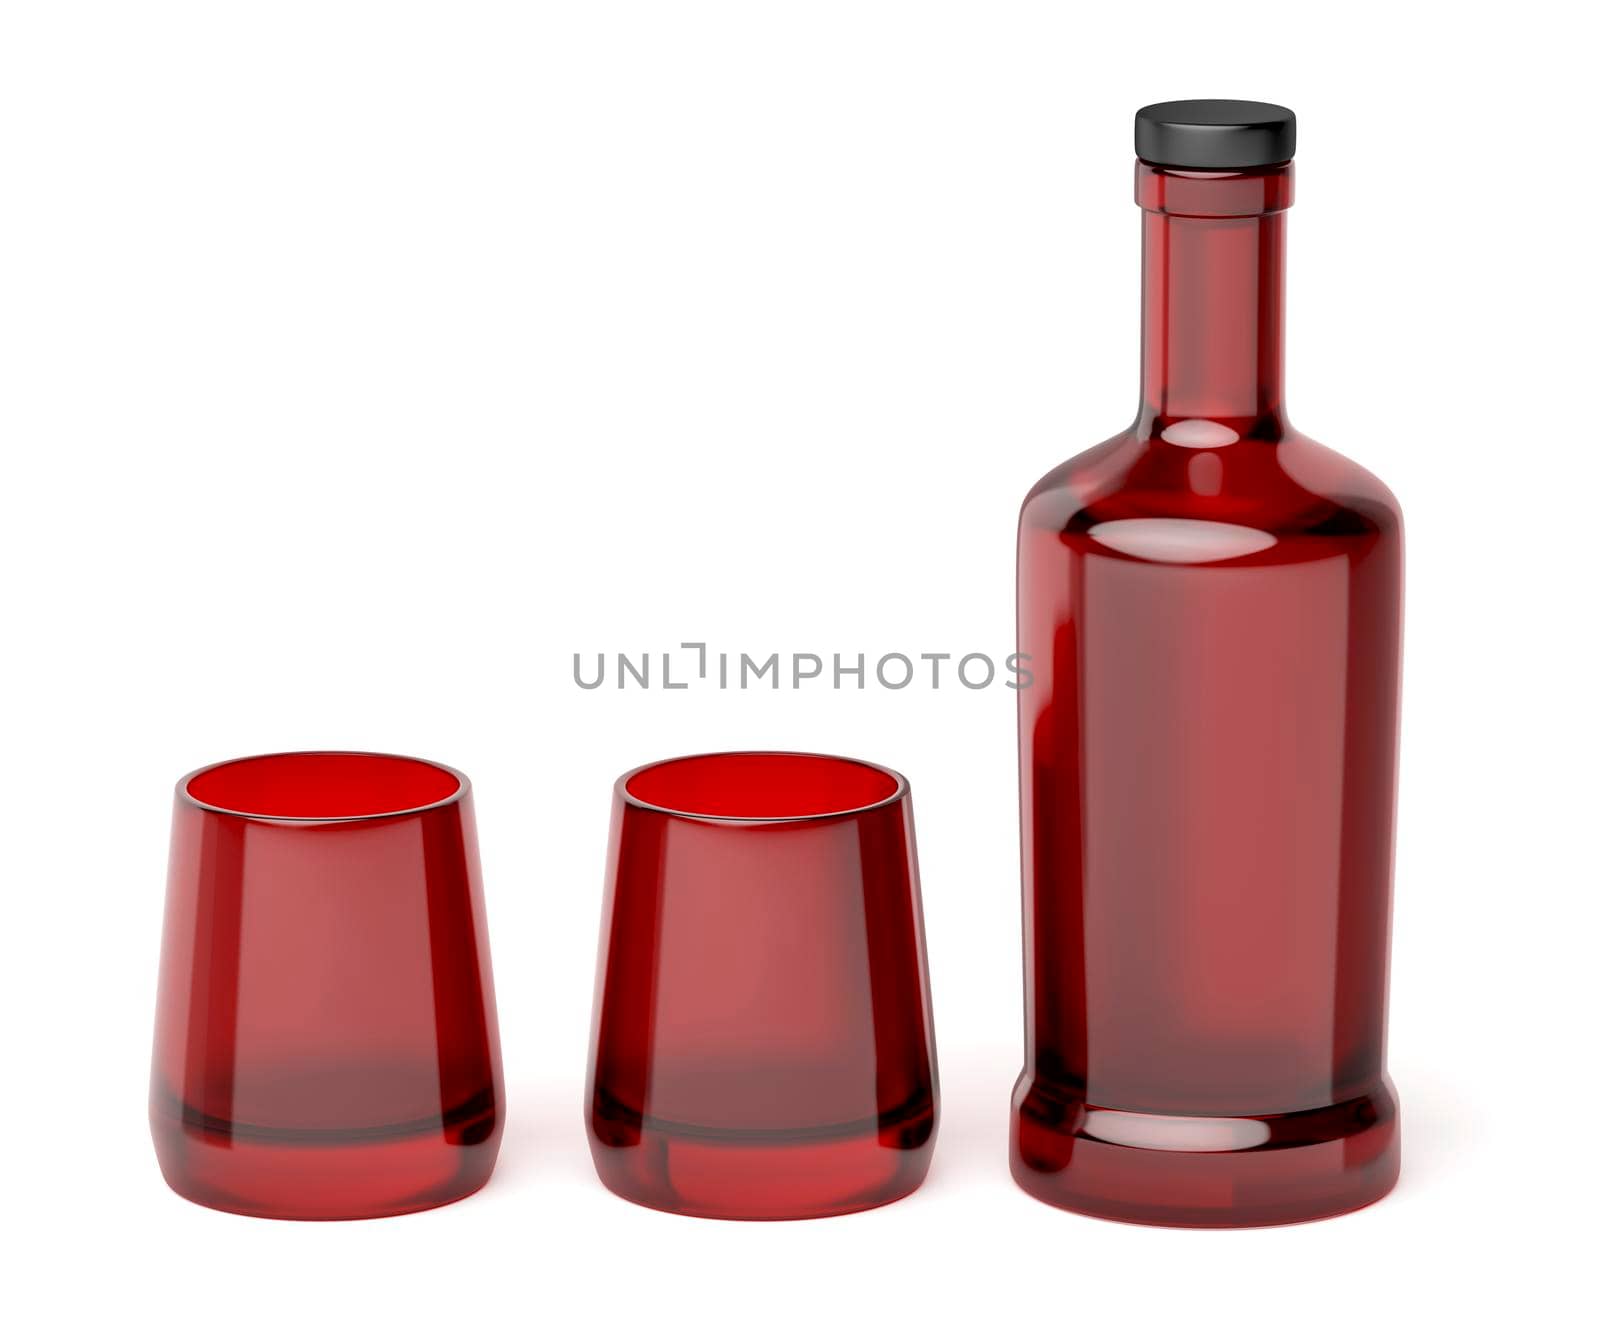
column 1212, row 605
column 763, row 1037
column 326, row 1044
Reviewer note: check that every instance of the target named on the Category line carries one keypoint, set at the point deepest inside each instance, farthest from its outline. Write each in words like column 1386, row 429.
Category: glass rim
column 902, row 789
column 187, row 798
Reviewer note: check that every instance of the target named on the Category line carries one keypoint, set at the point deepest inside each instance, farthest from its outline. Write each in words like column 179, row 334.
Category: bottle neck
column 1213, row 295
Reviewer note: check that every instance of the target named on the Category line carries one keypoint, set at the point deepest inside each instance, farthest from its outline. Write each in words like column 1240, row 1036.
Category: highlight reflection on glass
column 1180, row 541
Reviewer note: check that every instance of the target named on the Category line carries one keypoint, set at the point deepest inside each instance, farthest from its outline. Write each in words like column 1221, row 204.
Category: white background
column 360, row 363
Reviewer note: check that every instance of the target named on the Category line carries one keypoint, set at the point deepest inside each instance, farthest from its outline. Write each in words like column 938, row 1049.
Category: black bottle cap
column 1214, row 134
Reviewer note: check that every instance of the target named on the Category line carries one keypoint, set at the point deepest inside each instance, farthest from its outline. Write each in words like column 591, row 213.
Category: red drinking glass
column 326, row 1044
column 763, row 1038
column 1211, row 601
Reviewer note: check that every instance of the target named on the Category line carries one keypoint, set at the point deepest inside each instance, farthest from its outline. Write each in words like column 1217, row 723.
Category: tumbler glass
column 326, row 1044
column 763, row 1037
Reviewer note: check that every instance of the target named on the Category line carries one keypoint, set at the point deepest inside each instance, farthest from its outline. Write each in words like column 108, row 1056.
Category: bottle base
column 1204, row 1171
column 325, row 1177
column 749, row 1177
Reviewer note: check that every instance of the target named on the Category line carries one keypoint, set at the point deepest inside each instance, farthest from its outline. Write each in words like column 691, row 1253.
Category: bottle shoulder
column 1285, row 484
column 1330, row 475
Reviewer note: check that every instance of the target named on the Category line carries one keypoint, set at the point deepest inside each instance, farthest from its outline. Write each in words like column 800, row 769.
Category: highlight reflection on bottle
column 1212, row 605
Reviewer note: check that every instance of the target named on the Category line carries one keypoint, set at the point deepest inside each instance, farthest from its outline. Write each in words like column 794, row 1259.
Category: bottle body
column 1211, row 603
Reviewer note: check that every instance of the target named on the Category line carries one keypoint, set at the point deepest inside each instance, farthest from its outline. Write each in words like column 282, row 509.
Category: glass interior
column 762, row 785
column 322, row 785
